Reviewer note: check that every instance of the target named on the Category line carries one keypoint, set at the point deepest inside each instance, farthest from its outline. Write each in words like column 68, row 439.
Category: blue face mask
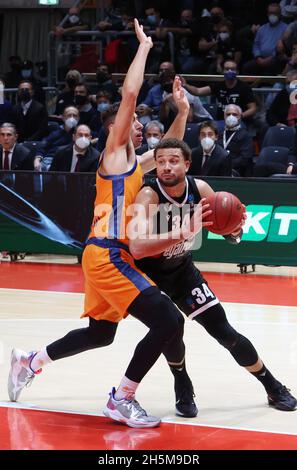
column 26, row 73
column 230, row 75
column 152, row 19
column 102, row 107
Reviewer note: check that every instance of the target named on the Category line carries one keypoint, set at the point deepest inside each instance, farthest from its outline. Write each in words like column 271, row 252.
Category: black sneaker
column 184, row 395
column 281, row 399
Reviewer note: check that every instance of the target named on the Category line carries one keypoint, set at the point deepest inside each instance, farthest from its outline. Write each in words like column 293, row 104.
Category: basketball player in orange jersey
column 114, row 286
column 174, row 196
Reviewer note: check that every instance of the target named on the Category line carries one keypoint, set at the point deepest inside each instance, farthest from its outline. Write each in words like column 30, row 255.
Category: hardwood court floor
column 63, row 408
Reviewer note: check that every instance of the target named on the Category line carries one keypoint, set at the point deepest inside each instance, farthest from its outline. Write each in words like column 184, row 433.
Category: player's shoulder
column 203, row 187
column 148, row 193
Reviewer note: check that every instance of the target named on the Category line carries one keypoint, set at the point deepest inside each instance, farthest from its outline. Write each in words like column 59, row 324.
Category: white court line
column 82, row 293
column 166, row 419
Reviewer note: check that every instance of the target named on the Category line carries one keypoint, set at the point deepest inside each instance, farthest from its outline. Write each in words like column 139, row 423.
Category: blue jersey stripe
column 127, row 270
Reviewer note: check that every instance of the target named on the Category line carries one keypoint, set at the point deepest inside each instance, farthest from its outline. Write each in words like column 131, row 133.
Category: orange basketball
column 227, row 212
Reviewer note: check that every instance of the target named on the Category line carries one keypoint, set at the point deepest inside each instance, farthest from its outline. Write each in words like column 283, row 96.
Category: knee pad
column 244, row 352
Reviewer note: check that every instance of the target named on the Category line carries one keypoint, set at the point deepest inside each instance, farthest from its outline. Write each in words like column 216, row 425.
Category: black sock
column 267, row 380
column 181, row 375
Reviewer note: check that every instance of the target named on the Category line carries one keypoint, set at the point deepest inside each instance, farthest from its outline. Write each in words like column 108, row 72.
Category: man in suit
column 13, row 156
column 209, row 158
column 29, row 116
column 79, row 156
column 237, row 141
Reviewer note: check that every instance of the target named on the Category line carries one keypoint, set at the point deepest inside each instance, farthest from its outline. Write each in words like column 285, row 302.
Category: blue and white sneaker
column 20, row 374
column 129, row 412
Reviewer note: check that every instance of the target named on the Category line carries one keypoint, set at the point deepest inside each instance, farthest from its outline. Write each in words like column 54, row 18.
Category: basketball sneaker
column 184, row 393
column 129, row 412
column 281, row 399
column 20, row 374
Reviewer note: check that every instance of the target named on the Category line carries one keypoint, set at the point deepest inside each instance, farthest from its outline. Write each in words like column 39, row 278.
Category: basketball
column 227, row 212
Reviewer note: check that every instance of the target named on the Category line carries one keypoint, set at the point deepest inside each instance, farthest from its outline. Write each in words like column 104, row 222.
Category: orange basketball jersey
column 113, row 204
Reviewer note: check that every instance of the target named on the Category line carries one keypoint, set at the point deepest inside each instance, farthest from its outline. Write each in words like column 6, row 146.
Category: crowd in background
column 229, row 131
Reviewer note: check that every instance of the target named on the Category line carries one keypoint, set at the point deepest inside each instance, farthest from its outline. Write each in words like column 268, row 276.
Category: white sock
column 126, row 389
column 40, row 360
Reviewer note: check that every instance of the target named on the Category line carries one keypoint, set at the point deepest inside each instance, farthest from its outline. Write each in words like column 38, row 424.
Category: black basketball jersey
column 170, row 215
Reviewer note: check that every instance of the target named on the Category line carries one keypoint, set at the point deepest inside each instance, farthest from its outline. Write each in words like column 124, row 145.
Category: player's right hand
column 141, row 36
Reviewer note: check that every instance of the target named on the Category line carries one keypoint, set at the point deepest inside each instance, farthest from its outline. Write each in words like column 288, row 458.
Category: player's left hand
column 141, row 36
column 238, row 229
column 179, row 95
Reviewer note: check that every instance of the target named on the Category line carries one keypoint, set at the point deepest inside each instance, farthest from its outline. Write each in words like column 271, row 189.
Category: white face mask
column 73, row 19
column 82, row 143
column 231, row 121
column 224, row 36
column 207, row 143
column 152, row 142
column 273, row 19
column 71, row 122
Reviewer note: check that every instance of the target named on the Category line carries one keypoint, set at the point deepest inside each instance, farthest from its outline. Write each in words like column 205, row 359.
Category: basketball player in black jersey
column 169, row 202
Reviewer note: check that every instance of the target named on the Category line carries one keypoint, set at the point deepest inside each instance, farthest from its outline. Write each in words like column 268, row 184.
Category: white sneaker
column 129, row 412
column 20, row 374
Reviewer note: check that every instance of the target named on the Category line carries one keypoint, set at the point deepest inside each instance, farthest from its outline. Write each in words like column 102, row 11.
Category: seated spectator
column 27, row 73
column 153, row 133
column 226, row 47
column 168, row 108
column 103, row 102
column 82, row 102
column 62, row 136
column 154, row 96
column 231, row 90
column 283, row 110
column 29, row 116
column 13, row 156
column 66, row 97
column 5, row 105
column 209, row 158
column 79, row 156
column 105, row 83
column 265, row 49
column 73, row 23
column 245, row 38
column 237, row 141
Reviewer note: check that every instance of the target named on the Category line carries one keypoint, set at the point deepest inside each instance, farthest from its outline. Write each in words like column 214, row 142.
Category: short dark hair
column 26, row 81
column 80, row 84
column 108, row 116
column 174, row 144
column 210, row 124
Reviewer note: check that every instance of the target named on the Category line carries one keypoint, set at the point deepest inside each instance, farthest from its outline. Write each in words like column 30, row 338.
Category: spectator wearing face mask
column 153, row 132
column 209, row 158
column 73, row 24
column 231, row 91
column 29, row 116
column 226, row 47
column 237, row 141
column 59, row 137
column 83, row 104
column 27, row 73
column 66, row 97
column 103, row 102
column 79, row 156
column 266, row 44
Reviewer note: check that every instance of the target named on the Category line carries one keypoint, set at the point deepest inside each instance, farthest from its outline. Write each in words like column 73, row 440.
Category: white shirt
column 25, row 107
column 9, row 156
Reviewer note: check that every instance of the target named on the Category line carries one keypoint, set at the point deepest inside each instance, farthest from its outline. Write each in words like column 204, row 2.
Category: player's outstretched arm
column 177, row 128
column 120, row 133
